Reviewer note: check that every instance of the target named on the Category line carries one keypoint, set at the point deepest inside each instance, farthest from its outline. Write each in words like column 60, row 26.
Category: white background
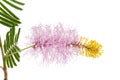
column 95, row 19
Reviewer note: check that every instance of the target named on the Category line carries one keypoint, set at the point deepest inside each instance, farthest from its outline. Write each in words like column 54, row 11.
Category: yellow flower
column 90, row 48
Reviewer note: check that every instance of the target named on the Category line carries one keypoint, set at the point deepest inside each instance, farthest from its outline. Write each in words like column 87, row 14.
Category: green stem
column 3, row 59
column 27, row 47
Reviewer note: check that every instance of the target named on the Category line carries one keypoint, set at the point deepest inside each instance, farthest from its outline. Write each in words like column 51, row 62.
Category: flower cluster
column 58, row 44
column 54, row 44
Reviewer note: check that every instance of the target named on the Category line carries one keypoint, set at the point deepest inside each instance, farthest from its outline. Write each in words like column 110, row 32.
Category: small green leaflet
column 7, row 17
column 11, row 49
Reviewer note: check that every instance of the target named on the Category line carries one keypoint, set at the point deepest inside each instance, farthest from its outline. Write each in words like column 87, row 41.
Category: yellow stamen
column 90, row 48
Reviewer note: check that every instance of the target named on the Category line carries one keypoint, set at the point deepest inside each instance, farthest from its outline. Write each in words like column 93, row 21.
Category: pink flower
column 54, row 44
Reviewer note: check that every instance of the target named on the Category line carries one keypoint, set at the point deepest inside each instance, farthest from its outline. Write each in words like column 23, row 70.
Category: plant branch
column 3, row 59
column 20, row 50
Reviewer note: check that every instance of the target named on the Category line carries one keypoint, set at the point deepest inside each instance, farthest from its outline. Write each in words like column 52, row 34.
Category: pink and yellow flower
column 59, row 44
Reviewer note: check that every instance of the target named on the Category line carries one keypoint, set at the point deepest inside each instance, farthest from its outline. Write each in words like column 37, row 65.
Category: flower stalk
column 27, row 47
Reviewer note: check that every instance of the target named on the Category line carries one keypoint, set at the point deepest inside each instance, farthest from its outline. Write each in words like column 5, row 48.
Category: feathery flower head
column 90, row 48
column 54, row 44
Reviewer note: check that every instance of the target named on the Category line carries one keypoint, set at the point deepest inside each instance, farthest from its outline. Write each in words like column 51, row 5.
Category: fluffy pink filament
column 54, row 44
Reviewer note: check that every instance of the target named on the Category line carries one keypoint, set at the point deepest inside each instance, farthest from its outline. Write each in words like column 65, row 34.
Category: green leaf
column 10, row 62
column 2, row 10
column 6, row 24
column 17, row 36
column 11, row 49
column 17, row 57
column 5, row 47
column 7, row 62
column 16, row 54
column 12, row 33
column 8, row 17
column 11, row 13
column 17, row 48
column 17, row 2
column 13, row 61
column 7, row 41
column 12, row 5
column 8, row 21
